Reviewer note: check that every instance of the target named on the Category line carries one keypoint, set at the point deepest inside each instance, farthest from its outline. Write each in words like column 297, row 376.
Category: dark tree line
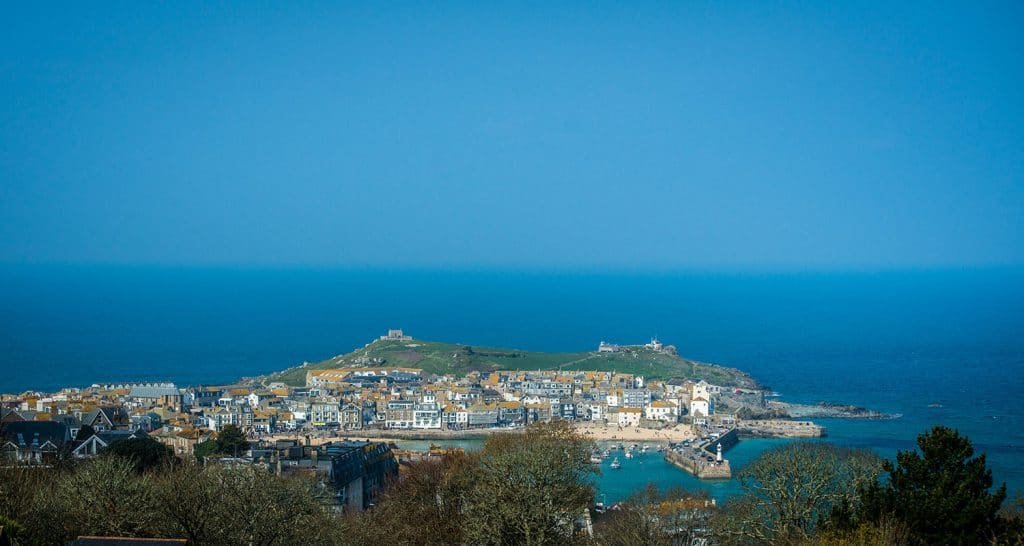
column 527, row 488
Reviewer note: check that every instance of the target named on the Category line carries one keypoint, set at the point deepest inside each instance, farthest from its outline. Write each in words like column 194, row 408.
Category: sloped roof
column 24, row 432
column 153, row 391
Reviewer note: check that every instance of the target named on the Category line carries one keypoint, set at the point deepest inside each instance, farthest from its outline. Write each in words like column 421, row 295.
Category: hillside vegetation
column 458, row 359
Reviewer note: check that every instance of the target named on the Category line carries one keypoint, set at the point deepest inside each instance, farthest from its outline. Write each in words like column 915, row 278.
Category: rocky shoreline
column 826, row 410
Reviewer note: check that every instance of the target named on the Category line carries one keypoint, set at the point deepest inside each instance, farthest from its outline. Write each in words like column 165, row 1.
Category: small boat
column 629, row 454
column 594, row 459
column 616, row 464
column 645, row 448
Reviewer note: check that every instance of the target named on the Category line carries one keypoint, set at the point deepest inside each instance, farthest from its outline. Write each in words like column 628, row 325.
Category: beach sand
column 594, row 431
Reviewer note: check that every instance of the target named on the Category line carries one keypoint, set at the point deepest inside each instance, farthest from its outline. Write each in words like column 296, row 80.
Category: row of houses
column 404, row 398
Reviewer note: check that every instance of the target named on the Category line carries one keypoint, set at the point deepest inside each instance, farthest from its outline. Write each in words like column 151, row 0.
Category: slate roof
column 153, row 391
column 24, row 432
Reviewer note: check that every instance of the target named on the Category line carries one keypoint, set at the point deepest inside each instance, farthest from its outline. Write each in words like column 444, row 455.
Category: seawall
column 697, row 464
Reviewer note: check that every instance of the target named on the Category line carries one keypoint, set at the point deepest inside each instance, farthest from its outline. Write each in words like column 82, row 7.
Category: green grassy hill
column 457, row 359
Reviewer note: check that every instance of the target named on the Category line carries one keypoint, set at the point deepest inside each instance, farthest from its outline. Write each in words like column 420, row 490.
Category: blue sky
column 547, row 135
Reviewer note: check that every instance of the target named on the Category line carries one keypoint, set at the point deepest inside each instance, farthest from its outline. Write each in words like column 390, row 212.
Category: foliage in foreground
column 529, row 488
column 519, row 489
column 941, row 494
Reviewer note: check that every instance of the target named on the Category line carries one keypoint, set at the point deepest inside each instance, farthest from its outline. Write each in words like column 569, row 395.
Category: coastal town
column 343, row 422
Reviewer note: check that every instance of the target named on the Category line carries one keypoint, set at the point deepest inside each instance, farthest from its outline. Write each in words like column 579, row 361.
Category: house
column 359, row 471
column 455, row 417
column 107, row 418
column 482, row 416
column 324, row 413
column 182, row 442
column 661, row 410
column 701, row 407
column 426, row 415
column 636, row 398
column 594, row 411
column 399, row 414
column 630, row 417
column 351, row 417
column 92, row 445
column 511, row 413
column 33, row 442
column 157, row 394
column 264, row 422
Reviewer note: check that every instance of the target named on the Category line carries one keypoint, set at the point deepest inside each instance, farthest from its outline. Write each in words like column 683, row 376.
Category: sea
column 929, row 346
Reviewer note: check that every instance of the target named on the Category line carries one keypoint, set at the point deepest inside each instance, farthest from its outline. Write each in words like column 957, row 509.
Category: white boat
column 616, row 464
column 594, row 459
column 629, row 454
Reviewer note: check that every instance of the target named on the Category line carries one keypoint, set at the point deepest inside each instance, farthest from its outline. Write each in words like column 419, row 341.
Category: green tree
column 9, row 532
column 85, row 433
column 205, row 449
column 144, row 453
column 232, row 442
column 790, row 490
column 657, row 518
column 529, row 488
column 942, row 493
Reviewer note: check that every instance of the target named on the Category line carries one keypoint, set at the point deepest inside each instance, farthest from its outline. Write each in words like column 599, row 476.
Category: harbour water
column 932, row 346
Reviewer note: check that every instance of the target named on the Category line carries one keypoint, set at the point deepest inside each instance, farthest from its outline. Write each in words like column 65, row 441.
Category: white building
column 700, row 407
column 395, row 335
column 426, row 415
column 661, row 410
column 630, row 417
column 324, row 412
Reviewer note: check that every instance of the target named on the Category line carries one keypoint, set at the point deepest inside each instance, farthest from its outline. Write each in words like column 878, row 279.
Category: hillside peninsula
column 738, row 392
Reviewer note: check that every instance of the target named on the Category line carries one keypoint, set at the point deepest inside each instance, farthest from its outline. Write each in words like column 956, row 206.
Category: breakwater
column 698, row 464
column 727, row 440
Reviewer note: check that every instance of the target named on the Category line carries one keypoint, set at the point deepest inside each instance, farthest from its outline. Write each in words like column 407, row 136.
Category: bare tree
column 791, row 489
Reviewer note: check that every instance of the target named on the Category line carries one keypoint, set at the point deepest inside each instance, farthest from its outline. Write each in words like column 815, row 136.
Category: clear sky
column 670, row 135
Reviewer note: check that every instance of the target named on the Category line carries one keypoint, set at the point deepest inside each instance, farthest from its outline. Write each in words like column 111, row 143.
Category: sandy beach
column 601, row 433
column 594, row 431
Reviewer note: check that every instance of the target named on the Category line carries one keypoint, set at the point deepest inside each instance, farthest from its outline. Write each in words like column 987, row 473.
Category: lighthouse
column 719, row 456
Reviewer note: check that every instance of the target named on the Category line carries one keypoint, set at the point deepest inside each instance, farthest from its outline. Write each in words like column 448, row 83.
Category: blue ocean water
column 933, row 346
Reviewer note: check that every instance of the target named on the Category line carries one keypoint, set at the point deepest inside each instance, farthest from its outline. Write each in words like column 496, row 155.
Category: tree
column 655, row 517
column 144, row 453
column 85, row 433
column 231, row 441
column 942, row 494
column 424, row 507
column 529, row 488
column 107, row 496
column 243, row 505
column 790, row 490
column 205, row 449
column 9, row 532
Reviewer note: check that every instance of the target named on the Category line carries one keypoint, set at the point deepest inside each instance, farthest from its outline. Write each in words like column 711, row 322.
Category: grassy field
column 458, row 360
